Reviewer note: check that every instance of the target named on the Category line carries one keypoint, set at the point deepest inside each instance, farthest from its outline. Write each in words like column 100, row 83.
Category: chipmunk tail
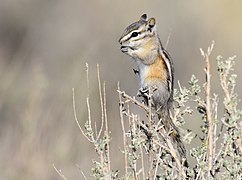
column 174, row 133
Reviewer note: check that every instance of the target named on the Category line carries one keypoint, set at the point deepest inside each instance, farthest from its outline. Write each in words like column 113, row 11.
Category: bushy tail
column 173, row 132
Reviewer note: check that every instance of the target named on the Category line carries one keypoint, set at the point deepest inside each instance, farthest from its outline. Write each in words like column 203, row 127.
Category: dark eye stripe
column 134, row 34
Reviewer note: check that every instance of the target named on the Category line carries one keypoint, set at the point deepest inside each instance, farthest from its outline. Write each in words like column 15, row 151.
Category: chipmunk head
column 139, row 38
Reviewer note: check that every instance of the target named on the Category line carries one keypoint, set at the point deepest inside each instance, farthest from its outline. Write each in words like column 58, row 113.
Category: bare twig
column 87, row 76
column 150, row 129
column 162, row 146
column 84, row 176
column 142, row 161
column 133, row 100
column 157, row 163
column 101, row 101
column 168, row 40
column 75, row 116
column 210, row 136
column 133, row 130
column 123, row 130
column 89, row 118
column 59, row 172
column 106, row 126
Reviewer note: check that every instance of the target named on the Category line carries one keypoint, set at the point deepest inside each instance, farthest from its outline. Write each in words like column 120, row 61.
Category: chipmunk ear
column 143, row 17
column 151, row 24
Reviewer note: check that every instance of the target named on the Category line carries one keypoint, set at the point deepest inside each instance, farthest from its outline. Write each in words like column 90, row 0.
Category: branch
column 75, row 116
column 59, row 172
column 123, row 129
column 133, row 100
column 101, row 101
column 210, row 139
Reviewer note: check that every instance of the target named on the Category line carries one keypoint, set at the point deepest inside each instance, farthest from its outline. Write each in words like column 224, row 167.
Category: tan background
column 43, row 49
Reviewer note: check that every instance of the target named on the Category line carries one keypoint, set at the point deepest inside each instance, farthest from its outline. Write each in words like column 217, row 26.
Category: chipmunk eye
column 134, row 34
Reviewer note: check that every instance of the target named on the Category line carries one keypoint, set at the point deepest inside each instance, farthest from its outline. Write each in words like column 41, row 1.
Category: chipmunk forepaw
column 143, row 91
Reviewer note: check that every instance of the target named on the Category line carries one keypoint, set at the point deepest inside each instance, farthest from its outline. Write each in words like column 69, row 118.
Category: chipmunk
column 155, row 69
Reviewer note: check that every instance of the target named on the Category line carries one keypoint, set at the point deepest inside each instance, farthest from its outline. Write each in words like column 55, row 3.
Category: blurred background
column 44, row 46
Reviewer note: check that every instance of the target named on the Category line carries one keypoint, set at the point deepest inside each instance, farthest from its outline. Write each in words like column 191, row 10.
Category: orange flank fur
column 157, row 71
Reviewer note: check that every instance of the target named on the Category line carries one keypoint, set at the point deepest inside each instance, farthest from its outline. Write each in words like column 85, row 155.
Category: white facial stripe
column 125, row 38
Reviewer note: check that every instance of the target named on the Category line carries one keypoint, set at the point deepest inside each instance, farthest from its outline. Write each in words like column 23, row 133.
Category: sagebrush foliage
column 147, row 149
